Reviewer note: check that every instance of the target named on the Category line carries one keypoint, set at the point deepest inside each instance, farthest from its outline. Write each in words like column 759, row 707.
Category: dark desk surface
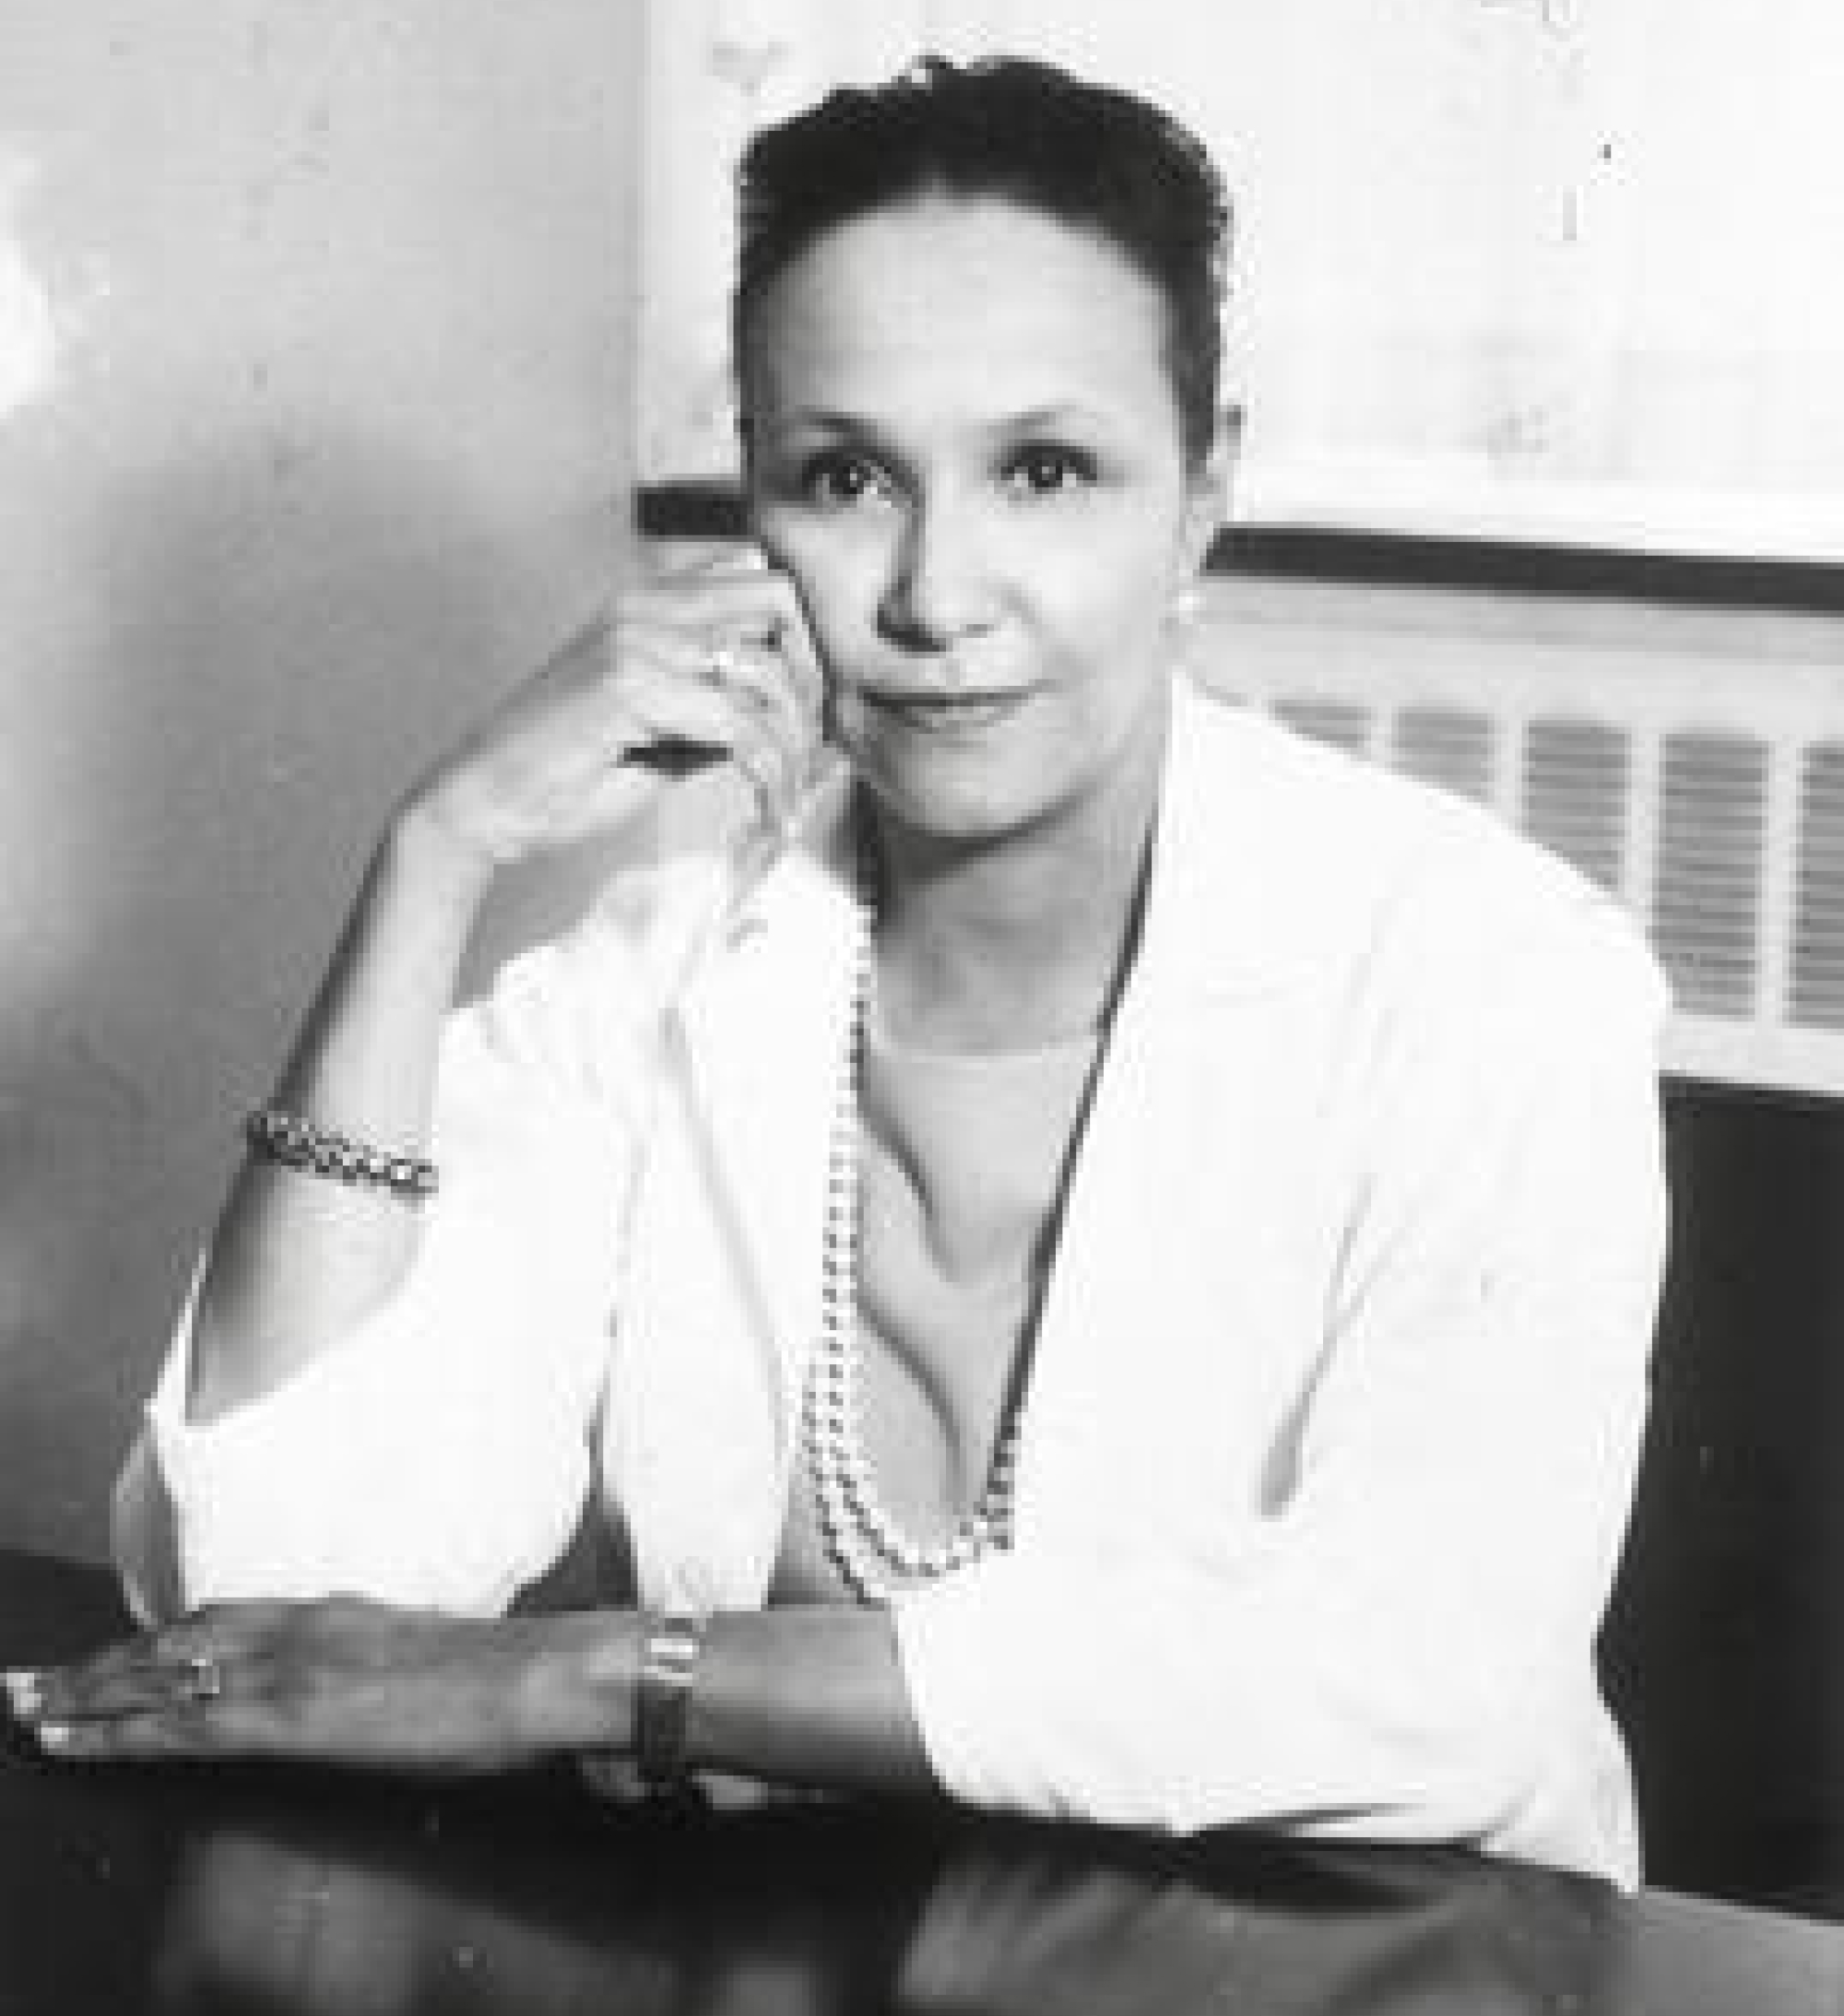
column 206, row 1890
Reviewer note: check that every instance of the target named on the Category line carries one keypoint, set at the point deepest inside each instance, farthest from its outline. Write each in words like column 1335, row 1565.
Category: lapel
column 764, row 1038
column 723, row 1293
column 1165, row 1264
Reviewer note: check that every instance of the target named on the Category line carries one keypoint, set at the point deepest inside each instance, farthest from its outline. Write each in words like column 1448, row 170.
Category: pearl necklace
column 861, row 1538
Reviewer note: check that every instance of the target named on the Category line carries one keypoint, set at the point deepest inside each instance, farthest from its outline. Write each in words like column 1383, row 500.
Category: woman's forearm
column 812, row 1698
column 298, row 1258
column 811, row 1694
column 565, row 758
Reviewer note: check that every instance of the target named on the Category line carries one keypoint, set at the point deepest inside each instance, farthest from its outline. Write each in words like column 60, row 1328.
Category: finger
column 716, row 552
column 134, row 1680
column 686, row 559
column 711, row 702
column 119, row 1676
column 733, row 697
column 181, row 1662
column 770, row 768
column 793, row 633
column 756, row 675
column 732, row 584
column 779, row 737
column 758, row 646
column 189, row 1729
column 750, row 601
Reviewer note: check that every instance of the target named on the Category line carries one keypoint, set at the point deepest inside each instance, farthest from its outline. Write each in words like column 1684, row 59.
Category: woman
column 1112, row 1278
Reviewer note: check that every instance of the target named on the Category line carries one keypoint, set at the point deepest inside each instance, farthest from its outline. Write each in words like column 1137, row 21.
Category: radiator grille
column 1576, row 780
column 1705, row 909
column 1447, row 745
column 1720, row 827
column 1816, row 993
column 1343, row 724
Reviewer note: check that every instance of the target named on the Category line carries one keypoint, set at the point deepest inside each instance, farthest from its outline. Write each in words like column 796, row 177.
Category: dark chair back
column 1724, row 1651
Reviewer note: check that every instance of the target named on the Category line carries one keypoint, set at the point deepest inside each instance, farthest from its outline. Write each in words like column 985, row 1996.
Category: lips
column 940, row 708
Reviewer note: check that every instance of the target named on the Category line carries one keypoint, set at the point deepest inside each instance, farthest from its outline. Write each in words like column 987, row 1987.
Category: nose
column 940, row 590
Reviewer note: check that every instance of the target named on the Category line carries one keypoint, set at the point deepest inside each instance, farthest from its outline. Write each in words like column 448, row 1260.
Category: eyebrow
column 1034, row 420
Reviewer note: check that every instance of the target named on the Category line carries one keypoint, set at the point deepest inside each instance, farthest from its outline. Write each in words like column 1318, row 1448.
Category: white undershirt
column 961, row 1165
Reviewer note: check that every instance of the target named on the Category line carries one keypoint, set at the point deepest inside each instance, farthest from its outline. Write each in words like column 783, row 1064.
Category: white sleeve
column 1405, row 1649
column 439, row 1454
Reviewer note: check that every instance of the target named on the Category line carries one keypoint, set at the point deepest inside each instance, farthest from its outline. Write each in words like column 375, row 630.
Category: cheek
column 1110, row 595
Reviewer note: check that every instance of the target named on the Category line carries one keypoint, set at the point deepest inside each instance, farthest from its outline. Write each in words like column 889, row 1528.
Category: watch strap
column 669, row 1671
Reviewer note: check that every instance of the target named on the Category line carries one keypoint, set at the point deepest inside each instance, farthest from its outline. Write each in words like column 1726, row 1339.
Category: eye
column 1048, row 469
column 837, row 478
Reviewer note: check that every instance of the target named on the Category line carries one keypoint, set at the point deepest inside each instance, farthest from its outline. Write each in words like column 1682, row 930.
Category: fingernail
column 24, row 1696
column 53, row 1735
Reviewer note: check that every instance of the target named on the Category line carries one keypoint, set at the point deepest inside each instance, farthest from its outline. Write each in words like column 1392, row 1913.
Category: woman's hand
column 703, row 666
column 341, row 1681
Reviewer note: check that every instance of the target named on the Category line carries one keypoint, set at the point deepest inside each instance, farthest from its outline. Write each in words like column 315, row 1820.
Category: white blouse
column 1339, row 1379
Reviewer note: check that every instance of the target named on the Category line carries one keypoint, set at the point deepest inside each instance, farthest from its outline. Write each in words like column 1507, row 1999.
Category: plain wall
column 315, row 334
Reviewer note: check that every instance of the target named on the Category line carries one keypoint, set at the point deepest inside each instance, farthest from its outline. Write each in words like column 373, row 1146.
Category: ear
column 1211, row 486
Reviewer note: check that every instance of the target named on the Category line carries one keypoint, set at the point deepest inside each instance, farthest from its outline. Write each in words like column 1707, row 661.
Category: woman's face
column 965, row 451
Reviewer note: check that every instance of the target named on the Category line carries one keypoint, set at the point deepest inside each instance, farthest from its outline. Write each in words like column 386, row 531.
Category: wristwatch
column 669, row 1668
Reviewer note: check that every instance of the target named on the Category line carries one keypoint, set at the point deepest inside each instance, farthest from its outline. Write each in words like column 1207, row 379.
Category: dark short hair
column 1090, row 156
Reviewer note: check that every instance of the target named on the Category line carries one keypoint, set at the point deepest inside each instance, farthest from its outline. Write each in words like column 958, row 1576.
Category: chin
column 963, row 811
column 949, row 809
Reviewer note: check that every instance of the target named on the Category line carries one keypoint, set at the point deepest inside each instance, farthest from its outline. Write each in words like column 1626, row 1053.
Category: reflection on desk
column 822, row 1912
column 204, row 1889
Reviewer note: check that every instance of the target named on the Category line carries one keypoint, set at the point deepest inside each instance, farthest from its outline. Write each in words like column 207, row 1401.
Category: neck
column 1011, row 943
